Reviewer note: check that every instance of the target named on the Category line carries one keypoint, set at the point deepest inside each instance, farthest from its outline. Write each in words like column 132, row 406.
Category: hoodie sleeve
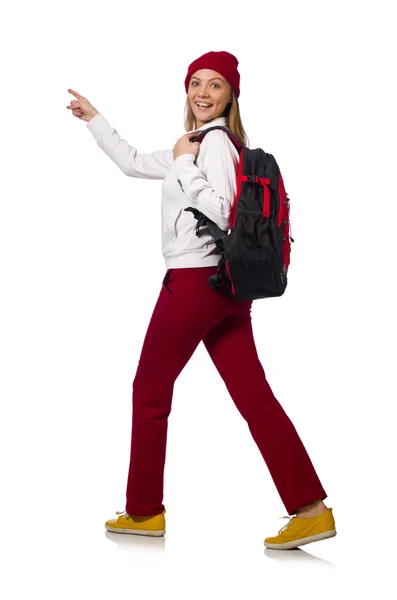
column 211, row 184
column 126, row 157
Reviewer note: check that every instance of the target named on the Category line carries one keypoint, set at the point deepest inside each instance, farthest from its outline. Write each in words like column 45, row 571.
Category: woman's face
column 208, row 87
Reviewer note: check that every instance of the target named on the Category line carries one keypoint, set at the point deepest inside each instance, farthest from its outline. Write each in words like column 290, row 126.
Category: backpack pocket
column 255, row 273
column 283, row 220
column 176, row 219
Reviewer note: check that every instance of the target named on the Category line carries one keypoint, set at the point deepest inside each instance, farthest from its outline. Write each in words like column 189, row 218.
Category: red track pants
column 188, row 311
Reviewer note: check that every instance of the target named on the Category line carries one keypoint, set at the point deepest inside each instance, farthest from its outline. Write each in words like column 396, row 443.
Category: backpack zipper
column 230, row 277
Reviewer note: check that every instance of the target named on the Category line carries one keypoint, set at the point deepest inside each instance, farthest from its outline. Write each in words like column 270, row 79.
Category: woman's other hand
column 185, row 146
column 81, row 108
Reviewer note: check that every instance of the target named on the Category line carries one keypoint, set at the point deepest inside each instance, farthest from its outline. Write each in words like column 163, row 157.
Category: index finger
column 74, row 93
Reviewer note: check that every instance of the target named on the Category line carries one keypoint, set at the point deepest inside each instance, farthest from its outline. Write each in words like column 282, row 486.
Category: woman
column 189, row 310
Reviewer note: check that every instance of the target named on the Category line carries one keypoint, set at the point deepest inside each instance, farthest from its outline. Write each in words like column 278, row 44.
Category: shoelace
column 123, row 512
column 287, row 525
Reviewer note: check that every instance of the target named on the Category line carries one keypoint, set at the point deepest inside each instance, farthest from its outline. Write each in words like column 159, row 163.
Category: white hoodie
column 207, row 183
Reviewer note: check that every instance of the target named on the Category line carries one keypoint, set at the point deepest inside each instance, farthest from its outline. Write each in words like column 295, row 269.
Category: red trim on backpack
column 282, row 197
column 283, row 220
column 266, row 196
column 266, row 192
column 230, row 277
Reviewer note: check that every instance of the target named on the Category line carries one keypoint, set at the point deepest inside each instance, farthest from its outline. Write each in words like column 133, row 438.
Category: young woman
column 189, row 310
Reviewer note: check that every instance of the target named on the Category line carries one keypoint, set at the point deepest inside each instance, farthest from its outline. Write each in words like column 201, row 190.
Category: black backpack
column 255, row 254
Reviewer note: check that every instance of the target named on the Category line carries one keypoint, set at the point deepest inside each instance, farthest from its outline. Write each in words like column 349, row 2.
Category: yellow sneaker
column 125, row 523
column 300, row 531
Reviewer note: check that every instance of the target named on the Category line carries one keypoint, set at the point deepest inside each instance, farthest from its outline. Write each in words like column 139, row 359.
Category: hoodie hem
column 186, row 262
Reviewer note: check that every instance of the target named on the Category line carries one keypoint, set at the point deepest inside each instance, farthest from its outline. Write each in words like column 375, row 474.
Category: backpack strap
column 236, row 141
column 216, row 232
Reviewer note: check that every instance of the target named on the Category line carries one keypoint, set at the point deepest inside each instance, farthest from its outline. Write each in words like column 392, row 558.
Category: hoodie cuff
column 184, row 159
column 98, row 124
column 184, row 167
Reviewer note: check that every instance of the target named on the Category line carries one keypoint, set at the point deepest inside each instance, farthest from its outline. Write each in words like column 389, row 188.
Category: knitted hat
column 222, row 62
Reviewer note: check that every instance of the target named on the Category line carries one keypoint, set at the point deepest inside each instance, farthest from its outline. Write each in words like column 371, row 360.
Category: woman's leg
column 186, row 309
column 231, row 347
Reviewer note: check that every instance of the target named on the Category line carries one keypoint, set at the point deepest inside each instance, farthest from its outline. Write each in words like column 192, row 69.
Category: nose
column 202, row 91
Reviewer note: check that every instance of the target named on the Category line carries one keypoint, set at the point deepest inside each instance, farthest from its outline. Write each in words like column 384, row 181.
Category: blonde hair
column 231, row 113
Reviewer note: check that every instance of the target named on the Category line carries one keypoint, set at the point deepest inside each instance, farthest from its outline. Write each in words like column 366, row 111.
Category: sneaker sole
column 156, row 533
column 307, row 540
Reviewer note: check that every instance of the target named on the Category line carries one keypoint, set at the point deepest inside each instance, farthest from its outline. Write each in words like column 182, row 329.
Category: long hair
column 231, row 113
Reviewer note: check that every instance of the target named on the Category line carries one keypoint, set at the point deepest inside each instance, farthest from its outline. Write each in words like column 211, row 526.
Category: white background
column 81, row 269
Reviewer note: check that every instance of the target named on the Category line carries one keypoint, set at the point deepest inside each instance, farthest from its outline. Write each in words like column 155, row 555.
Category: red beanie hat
column 222, row 62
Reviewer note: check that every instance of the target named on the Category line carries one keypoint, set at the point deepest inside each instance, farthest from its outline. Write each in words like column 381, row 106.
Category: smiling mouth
column 203, row 107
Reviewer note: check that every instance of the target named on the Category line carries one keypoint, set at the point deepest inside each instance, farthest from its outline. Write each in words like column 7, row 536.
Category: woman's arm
column 211, row 184
column 126, row 157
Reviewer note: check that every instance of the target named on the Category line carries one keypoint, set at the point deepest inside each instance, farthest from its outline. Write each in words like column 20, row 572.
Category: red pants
column 187, row 312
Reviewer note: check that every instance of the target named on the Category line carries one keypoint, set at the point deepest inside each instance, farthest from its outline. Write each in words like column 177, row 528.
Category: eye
column 193, row 82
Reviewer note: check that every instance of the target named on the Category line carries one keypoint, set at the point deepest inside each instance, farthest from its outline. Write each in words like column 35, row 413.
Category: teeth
column 202, row 104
